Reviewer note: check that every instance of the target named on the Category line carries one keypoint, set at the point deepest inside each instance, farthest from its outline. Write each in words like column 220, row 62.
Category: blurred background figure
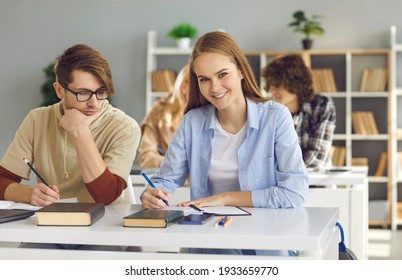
column 290, row 82
column 161, row 122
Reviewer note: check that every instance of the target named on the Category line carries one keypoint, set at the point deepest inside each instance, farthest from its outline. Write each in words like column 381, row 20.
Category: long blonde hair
column 224, row 44
column 172, row 113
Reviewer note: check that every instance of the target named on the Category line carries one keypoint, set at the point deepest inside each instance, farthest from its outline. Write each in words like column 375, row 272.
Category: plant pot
column 183, row 43
column 307, row 44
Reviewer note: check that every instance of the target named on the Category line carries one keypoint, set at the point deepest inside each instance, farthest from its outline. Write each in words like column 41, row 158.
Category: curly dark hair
column 291, row 72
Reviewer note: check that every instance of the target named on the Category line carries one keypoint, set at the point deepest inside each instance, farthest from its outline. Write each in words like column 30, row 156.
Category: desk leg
column 332, row 251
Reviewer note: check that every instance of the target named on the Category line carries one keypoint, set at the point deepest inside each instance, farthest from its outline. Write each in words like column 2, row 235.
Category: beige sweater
column 42, row 141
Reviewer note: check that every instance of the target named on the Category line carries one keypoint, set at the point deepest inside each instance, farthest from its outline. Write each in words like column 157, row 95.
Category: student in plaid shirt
column 290, row 82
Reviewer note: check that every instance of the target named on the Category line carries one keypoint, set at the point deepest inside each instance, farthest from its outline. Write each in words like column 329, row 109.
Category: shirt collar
column 252, row 115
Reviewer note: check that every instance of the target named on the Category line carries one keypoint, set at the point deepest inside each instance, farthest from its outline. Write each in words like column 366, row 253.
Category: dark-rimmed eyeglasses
column 85, row 95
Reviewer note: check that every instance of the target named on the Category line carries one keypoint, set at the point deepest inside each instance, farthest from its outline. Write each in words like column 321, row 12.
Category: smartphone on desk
column 195, row 219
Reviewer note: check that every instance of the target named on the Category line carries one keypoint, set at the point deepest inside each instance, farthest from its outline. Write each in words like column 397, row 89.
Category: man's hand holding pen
column 43, row 195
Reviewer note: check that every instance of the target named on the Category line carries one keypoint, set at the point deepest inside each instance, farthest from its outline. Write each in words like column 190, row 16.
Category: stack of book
column 163, row 80
column 359, row 161
column 363, row 122
column 338, row 155
column 374, row 79
column 323, row 80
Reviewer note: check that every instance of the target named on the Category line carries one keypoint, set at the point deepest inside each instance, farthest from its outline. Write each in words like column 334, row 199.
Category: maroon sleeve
column 106, row 188
column 6, row 178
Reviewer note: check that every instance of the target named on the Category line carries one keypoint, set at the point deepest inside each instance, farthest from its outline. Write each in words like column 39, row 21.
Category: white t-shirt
column 223, row 175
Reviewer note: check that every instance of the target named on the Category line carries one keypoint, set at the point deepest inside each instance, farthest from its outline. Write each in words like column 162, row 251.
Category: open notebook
column 4, row 204
column 214, row 210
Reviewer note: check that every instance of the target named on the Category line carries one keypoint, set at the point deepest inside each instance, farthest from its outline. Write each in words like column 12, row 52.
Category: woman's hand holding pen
column 153, row 198
column 42, row 195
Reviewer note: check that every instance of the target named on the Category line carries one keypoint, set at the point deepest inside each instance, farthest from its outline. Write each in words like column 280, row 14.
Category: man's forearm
column 91, row 162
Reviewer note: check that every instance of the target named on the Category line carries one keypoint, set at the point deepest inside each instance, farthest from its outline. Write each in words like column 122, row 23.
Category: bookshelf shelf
column 369, row 94
column 347, row 67
column 369, row 137
column 377, row 179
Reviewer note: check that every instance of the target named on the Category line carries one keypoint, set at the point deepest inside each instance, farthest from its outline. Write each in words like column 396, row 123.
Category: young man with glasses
column 82, row 146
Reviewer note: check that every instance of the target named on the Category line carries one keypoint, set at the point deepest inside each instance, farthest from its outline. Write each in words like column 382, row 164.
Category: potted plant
column 47, row 90
column 306, row 26
column 183, row 33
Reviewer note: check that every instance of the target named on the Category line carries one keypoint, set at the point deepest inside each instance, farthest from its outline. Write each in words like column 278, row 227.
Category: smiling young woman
column 238, row 148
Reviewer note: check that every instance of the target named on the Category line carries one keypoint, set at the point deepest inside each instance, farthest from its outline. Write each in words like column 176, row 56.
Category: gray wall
column 33, row 33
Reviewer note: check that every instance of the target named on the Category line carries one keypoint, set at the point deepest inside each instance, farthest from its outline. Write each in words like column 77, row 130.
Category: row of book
column 163, row 80
column 374, row 79
column 323, row 80
column 363, row 122
column 338, row 156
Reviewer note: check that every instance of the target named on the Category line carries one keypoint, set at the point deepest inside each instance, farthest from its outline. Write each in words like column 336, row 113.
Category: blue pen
column 222, row 222
column 152, row 185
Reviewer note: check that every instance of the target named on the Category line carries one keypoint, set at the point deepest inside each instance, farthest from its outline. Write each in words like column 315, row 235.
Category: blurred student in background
column 161, row 122
column 290, row 82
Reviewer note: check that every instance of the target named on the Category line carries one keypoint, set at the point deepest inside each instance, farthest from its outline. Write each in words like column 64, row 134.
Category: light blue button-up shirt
column 270, row 162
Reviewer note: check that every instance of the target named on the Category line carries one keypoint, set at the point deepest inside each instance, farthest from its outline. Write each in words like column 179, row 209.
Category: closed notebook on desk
column 8, row 215
column 70, row 214
column 152, row 218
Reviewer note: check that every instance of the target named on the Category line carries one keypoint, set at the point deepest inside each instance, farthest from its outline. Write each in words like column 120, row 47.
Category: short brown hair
column 85, row 58
column 224, row 44
column 291, row 72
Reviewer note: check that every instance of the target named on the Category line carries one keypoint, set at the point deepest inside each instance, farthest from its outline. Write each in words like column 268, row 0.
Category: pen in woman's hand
column 152, row 185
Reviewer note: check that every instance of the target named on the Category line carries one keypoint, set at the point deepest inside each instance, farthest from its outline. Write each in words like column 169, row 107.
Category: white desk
column 311, row 230
column 352, row 201
column 355, row 196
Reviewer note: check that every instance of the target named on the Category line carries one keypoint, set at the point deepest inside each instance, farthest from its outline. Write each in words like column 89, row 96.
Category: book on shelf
column 8, row 215
column 155, row 218
column 70, row 214
column 163, row 80
column 363, row 122
column 374, row 80
column 323, row 80
column 382, row 164
column 338, row 155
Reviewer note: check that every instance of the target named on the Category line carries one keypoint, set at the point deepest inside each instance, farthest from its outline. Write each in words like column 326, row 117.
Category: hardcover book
column 152, row 218
column 70, row 214
column 8, row 215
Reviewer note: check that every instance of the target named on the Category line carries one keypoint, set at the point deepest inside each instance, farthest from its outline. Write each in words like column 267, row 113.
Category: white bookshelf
column 396, row 99
column 153, row 53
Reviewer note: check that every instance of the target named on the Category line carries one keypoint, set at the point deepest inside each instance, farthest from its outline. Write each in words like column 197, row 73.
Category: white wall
column 33, row 33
